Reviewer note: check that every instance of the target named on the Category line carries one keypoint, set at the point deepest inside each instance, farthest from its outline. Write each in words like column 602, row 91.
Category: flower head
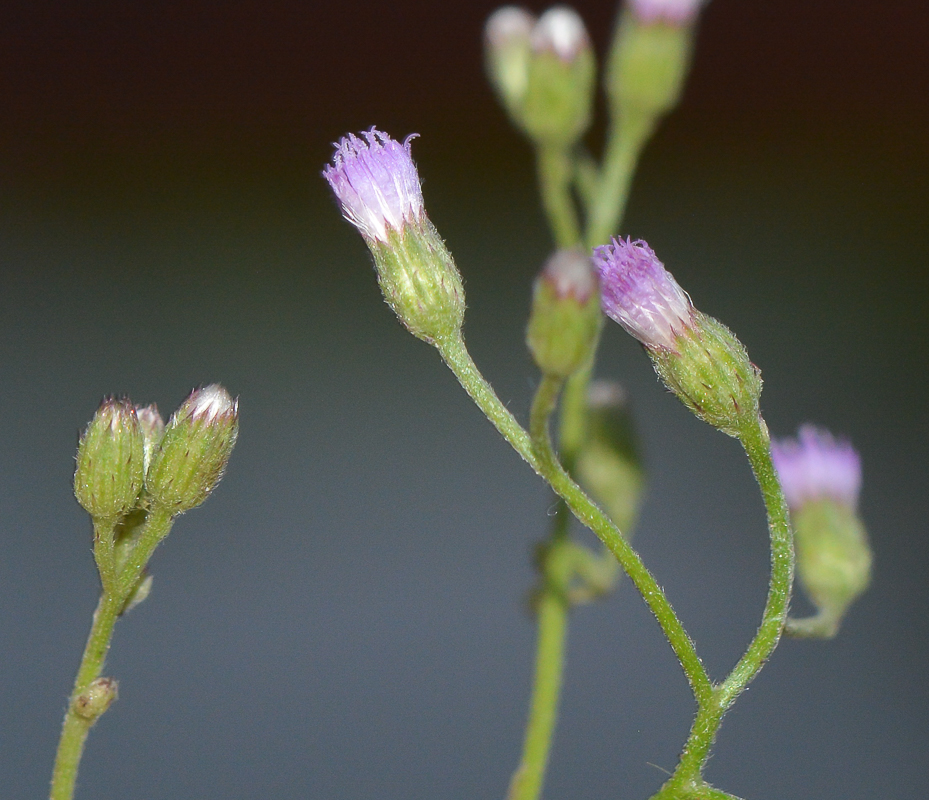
column 816, row 466
column 376, row 183
column 675, row 12
column 640, row 294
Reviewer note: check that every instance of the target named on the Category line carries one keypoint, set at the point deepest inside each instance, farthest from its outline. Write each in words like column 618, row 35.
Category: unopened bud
column 651, row 56
column 821, row 478
column 609, row 465
column 110, row 456
column 566, row 317
column 377, row 186
column 697, row 357
column 506, row 53
column 153, row 428
column 95, row 699
column 194, row 450
column 560, row 84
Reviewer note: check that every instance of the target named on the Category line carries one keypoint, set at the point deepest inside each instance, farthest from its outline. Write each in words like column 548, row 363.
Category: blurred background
column 346, row 617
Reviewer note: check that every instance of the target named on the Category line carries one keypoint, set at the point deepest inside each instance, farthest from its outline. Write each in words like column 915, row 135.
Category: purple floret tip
column 640, row 294
column 676, row 12
column 376, row 183
column 817, row 466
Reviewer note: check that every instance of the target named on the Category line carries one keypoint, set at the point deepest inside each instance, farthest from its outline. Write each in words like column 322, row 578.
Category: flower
column 377, row 186
column 821, row 479
column 376, row 183
column 676, row 12
column 641, row 295
column 816, row 466
column 697, row 357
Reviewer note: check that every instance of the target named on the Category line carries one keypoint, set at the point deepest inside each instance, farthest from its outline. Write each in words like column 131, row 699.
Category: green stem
column 757, row 443
column 542, row 459
column 118, row 586
column 552, row 610
column 556, row 175
column 105, row 551
column 627, row 138
column 552, row 602
column 76, row 727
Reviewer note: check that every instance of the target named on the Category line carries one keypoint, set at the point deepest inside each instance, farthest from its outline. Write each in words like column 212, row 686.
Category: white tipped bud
column 561, row 30
column 506, row 47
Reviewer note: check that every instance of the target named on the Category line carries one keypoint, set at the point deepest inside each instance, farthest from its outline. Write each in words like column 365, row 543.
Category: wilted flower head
column 561, row 30
column 376, row 183
column 640, row 294
column 816, row 466
column 676, row 12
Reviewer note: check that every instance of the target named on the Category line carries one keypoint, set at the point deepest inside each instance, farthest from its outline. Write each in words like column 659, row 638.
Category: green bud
column 506, row 54
column 833, row 555
column 609, row 465
column 194, row 451
column 565, row 318
column 556, row 107
column 711, row 374
column 153, row 428
column 420, row 282
column 95, row 699
column 110, row 456
column 648, row 64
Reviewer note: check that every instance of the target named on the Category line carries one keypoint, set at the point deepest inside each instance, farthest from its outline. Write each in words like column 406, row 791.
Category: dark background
column 345, row 618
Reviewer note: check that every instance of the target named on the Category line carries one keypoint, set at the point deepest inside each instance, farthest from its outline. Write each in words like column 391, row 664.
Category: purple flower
column 676, row 12
column 641, row 295
column 376, row 183
column 816, row 466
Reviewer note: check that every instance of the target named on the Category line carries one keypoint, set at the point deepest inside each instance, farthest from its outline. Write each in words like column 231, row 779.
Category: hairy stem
column 544, row 462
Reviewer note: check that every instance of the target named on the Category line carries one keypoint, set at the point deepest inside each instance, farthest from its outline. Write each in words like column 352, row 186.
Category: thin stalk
column 757, row 444
column 626, row 140
column 117, row 588
column 556, row 176
column 542, row 459
column 76, row 727
column 552, row 608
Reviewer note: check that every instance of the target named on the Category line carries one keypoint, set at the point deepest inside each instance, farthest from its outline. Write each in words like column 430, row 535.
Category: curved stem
column 544, row 462
column 757, row 444
column 556, row 176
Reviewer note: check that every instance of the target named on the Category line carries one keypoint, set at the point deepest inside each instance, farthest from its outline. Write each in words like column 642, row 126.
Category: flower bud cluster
column 543, row 70
column 127, row 458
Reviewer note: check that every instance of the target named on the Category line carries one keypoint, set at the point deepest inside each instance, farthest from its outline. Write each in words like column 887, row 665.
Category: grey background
column 345, row 617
